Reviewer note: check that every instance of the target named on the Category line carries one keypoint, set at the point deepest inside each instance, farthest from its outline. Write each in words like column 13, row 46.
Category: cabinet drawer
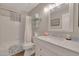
column 57, row 49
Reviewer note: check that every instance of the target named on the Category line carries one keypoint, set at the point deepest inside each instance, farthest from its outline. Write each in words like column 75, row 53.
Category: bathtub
column 10, row 50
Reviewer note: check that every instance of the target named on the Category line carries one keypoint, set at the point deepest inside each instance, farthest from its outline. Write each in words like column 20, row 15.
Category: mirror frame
column 71, row 11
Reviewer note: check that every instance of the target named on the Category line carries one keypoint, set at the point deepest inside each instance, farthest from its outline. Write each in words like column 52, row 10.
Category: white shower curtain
column 28, row 30
column 9, row 31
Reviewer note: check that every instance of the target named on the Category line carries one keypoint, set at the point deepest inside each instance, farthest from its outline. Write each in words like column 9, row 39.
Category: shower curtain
column 28, row 30
column 10, row 25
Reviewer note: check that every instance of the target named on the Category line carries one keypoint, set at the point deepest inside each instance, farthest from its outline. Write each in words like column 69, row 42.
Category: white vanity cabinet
column 41, row 50
column 44, row 48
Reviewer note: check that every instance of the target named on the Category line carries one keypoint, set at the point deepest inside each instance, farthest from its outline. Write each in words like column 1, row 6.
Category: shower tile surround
column 43, row 27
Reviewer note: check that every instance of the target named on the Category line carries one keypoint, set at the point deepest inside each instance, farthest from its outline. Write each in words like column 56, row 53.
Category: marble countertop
column 69, row 44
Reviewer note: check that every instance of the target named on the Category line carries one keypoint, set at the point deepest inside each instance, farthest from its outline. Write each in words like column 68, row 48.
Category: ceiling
column 20, row 7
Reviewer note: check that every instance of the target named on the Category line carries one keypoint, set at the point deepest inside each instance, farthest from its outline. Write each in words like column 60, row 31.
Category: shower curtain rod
column 9, row 10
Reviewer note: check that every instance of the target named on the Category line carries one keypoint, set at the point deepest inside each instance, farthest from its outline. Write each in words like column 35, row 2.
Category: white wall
column 44, row 18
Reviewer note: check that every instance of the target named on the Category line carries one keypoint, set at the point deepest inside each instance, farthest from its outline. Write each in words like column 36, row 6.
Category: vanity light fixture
column 58, row 4
column 51, row 6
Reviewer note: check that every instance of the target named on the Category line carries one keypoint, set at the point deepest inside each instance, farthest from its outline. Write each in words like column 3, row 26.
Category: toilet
column 29, row 49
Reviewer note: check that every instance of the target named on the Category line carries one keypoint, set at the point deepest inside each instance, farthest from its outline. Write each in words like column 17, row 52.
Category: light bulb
column 46, row 9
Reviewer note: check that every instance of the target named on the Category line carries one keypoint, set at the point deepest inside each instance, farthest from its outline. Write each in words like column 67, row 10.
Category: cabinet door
column 43, row 51
column 46, row 51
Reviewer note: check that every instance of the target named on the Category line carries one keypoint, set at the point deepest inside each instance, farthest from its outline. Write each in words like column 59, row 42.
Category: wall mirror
column 76, row 17
column 61, row 17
